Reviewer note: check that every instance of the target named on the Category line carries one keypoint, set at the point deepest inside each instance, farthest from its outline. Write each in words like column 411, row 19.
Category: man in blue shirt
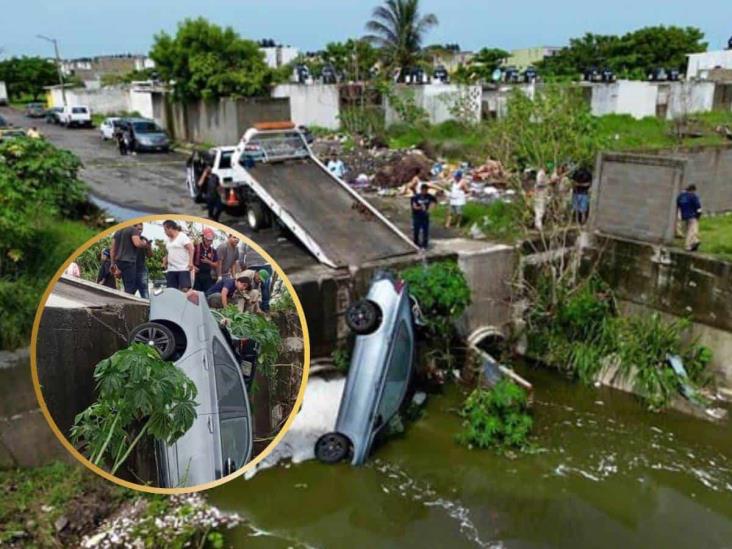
column 224, row 291
column 689, row 207
column 421, row 203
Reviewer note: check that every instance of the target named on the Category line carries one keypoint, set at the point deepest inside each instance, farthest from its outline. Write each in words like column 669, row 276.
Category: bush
column 498, row 418
column 19, row 299
column 255, row 327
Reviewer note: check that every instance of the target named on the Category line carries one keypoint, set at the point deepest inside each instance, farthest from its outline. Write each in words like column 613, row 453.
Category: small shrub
column 498, row 418
column 342, row 359
column 255, row 327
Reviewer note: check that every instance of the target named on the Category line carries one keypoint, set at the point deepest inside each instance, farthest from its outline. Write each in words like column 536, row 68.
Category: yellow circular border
column 141, row 487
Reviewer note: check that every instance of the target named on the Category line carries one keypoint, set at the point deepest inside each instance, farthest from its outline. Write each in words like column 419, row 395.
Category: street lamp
column 58, row 64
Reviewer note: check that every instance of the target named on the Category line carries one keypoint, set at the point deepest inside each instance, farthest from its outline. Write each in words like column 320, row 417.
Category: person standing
column 124, row 255
column 581, row 195
column 119, row 136
column 179, row 260
column 421, row 203
column 228, row 256
column 458, row 199
column 141, row 272
column 206, row 262
column 690, row 210
column 210, row 185
column 105, row 277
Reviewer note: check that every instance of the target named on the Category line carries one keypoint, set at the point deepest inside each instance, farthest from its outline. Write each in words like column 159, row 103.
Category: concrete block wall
column 634, row 196
column 438, row 99
column 107, row 100
column 676, row 283
column 312, row 105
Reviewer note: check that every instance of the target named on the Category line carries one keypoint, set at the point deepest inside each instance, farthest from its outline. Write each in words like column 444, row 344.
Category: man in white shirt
column 336, row 167
column 179, row 261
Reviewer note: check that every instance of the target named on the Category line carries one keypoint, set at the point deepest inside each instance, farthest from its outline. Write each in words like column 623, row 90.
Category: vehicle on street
column 108, row 127
column 219, row 442
column 148, row 135
column 3, row 93
column 35, row 110
column 11, row 133
column 52, row 115
column 220, row 159
column 380, row 371
column 78, row 115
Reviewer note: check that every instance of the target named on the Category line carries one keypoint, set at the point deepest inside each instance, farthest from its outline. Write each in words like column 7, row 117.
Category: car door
column 397, row 374
column 234, row 418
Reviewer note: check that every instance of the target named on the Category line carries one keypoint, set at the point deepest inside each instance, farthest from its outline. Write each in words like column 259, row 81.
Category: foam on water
column 316, row 417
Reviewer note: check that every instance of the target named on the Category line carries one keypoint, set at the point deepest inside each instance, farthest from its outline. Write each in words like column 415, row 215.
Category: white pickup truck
column 77, row 115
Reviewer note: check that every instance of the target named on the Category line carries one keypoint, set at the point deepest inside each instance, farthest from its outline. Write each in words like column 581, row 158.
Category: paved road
column 150, row 183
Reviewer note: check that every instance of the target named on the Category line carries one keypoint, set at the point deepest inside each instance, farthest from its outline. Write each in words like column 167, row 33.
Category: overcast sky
column 94, row 27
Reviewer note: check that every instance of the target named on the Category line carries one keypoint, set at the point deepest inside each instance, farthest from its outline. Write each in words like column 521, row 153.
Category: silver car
column 380, row 371
column 219, row 442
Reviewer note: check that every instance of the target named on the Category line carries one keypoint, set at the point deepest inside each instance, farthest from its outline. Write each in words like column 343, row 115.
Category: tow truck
column 273, row 176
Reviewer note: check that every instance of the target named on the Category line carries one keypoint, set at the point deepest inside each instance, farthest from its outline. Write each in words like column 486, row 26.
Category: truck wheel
column 156, row 335
column 332, row 448
column 255, row 216
column 363, row 317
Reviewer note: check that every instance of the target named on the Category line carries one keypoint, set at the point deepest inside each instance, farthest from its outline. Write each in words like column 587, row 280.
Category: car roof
column 139, row 119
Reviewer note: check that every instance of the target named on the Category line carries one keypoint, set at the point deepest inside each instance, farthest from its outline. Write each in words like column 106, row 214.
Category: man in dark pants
column 141, row 279
column 124, row 255
column 206, row 262
column 690, row 210
column 210, row 185
column 421, row 203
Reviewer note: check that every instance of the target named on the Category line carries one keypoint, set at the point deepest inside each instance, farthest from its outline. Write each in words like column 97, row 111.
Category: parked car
column 380, row 371
column 11, row 133
column 52, row 115
column 78, row 115
column 35, row 110
column 148, row 135
column 108, row 127
column 219, row 442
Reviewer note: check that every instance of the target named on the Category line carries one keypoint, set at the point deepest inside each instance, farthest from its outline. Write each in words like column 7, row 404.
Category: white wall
column 312, row 105
column 108, row 100
column 690, row 97
column 635, row 98
column 279, row 55
column 438, row 99
column 700, row 62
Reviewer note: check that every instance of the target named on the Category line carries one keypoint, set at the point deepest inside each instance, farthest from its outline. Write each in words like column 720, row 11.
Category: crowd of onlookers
column 220, row 272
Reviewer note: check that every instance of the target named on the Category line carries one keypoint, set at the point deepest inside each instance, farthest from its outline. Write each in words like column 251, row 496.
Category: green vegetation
column 206, row 61
column 481, row 67
column 283, row 303
column 716, row 235
column 577, row 329
column 255, row 327
column 633, row 55
column 38, row 189
column 443, row 294
column 397, row 29
column 26, row 76
column 498, row 418
column 342, row 359
column 34, row 499
column 138, row 394
column 499, row 221
column 352, row 59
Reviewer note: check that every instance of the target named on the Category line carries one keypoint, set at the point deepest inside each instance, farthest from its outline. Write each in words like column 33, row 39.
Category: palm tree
column 397, row 29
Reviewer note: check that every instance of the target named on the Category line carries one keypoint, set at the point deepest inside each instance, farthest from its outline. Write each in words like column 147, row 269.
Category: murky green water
column 608, row 474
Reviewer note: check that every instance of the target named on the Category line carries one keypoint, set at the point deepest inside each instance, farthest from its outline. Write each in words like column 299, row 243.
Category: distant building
column 90, row 69
column 528, row 57
column 277, row 56
column 451, row 60
column 701, row 65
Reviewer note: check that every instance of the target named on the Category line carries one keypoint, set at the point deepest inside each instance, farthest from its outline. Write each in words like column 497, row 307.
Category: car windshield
column 225, row 160
column 146, row 127
column 79, row 110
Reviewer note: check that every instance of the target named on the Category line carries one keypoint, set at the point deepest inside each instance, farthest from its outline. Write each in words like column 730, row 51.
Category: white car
column 108, row 126
column 77, row 115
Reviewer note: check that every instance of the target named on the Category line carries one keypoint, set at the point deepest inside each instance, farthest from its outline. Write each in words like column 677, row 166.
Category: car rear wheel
column 363, row 317
column 255, row 216
column 156, row 335
column 332, row 448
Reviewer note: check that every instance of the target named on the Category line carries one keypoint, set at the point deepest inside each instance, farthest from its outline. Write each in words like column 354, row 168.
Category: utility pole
column 58, row 64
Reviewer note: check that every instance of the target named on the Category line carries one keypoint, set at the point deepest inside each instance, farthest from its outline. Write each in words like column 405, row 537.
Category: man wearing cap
column 205, row 262
column 690, row 210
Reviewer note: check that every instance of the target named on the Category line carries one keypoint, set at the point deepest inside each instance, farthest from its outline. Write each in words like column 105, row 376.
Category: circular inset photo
column 170, row 354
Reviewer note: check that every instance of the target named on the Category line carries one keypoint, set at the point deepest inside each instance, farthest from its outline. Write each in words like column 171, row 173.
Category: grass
column 716, row 235
column 20, row 296
column 451, row 139
column 34, row 499
column 499, row 221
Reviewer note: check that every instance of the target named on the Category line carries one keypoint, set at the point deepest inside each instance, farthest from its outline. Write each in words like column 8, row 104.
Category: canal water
column 605, row 473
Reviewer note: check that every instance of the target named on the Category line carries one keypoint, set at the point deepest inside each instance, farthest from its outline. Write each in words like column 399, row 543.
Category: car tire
column 156, row 335
column 363, row 317
column 332, row 448
column 255, row 216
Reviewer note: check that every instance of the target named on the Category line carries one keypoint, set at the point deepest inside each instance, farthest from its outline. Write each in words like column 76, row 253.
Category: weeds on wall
column 498, row 418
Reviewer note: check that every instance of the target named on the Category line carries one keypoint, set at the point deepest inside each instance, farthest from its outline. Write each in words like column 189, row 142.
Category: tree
column 28, row 75
column 352, row 59
column 481, row 66
column 204, row 60
column 398, row 29
column 632, row 55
